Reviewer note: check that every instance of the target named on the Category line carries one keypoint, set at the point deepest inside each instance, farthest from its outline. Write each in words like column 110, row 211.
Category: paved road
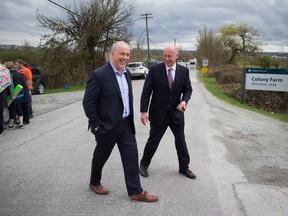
column 240, row 158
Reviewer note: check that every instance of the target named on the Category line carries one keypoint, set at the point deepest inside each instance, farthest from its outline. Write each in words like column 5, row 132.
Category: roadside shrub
column 229, row 79
column 232, row 90
column 226, row 74
column 265, row 61
column 268, row 100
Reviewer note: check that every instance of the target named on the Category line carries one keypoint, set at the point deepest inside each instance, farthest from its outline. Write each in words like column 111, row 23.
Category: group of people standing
column 20, row 110
column 108, row 105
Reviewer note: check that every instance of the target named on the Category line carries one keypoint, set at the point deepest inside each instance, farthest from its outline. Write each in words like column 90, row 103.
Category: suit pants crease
column 123, row 136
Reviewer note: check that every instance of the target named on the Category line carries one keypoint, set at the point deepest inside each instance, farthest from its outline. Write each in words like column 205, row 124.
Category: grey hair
column 170, row 46
column 115, row 45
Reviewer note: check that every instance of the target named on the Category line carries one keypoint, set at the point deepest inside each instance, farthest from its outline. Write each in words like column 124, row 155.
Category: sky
column 172, row 22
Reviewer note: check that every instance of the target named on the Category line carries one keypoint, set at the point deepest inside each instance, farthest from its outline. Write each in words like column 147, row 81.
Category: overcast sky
column 173, row 21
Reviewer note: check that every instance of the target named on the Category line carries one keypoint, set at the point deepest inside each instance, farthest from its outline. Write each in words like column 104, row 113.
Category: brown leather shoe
column 144, row 197
column 99, row 189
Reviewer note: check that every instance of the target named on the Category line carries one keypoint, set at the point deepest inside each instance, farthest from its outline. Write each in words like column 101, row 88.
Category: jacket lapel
column 128, row 78
column 177, row 74
column 114, row 80
column 164, row 75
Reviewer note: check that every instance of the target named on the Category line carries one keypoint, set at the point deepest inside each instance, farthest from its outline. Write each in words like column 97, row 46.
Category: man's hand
column 182, row 106
column 94, row 129
column 144, row 118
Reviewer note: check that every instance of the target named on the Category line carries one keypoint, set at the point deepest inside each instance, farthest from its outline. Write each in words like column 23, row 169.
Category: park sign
column 266, row 79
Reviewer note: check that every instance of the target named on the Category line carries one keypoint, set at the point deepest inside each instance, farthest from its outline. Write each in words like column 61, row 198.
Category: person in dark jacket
column 108, row 104
column 16, row 105
column 166, row 92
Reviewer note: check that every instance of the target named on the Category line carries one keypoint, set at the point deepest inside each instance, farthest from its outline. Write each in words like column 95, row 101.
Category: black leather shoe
column 188, row 173
column 143, row 171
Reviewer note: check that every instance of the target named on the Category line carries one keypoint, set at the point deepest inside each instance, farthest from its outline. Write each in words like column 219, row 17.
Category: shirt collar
column 174, row 67
column 115, row 70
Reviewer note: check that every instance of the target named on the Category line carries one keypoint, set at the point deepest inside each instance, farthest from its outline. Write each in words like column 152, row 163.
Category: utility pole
column 147, row 16
column 174, row 42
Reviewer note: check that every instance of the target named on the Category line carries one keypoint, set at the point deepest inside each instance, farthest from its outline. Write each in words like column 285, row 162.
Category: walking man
column 108, row 104
column 168, row 84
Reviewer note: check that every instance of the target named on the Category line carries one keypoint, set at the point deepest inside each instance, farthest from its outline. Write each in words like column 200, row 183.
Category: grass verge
column 210, row 84
column 69, row 89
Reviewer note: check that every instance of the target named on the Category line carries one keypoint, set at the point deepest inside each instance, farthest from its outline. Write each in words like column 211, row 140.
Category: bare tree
column 91, row 28
column 137, row 53
column 209, row 47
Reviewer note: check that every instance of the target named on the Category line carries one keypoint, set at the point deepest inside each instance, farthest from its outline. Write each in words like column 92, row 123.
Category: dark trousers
column 25, row 110
column 30, row 105
column 12, row 109
column 18, row 106
column 126, row 142
column 156, row 133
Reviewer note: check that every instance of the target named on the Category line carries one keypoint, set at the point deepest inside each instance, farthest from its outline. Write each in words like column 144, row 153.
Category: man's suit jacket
column 102, row 100
column 162, row 99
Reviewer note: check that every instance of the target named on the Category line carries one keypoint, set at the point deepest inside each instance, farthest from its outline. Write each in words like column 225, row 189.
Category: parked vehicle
column 40, row 83
column 182, row 63
column 137, row 69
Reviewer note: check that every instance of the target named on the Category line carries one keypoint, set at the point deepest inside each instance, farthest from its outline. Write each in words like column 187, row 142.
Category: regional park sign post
column 264, row 79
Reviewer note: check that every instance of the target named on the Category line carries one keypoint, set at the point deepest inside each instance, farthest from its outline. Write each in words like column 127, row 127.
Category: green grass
column 210, row 84
column 60, row 90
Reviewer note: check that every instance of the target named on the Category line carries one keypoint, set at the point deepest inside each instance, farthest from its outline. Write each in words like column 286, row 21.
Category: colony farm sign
column 264, row 79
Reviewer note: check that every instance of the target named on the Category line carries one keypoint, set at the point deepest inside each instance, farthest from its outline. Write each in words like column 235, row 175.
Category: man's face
column 170, row 56
column 120, row 57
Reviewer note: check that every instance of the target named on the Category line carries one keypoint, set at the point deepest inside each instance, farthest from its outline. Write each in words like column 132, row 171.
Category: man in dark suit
column 170, row 87
column 108, row 104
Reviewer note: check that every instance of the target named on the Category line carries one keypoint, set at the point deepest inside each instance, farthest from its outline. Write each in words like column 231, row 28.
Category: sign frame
column 205, row 62
column 264, row 79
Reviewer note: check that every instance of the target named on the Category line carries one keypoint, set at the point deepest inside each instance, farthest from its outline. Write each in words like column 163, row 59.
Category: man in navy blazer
column 166, row 108
column 108, row 104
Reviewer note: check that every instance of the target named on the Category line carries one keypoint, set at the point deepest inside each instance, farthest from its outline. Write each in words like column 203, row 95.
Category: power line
column 155, row 44
column 64, row 8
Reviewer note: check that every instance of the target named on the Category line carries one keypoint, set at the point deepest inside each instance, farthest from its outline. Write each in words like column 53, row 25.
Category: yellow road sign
column 204, row 69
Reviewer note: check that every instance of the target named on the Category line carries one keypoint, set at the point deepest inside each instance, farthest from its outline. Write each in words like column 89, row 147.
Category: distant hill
column 11, row 46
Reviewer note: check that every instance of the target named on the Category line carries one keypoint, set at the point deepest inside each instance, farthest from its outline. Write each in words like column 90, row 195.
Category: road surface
column 240, row 158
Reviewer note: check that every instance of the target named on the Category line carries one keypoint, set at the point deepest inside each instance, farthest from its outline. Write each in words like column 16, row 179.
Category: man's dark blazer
column 162, row 98
column 102, row 100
